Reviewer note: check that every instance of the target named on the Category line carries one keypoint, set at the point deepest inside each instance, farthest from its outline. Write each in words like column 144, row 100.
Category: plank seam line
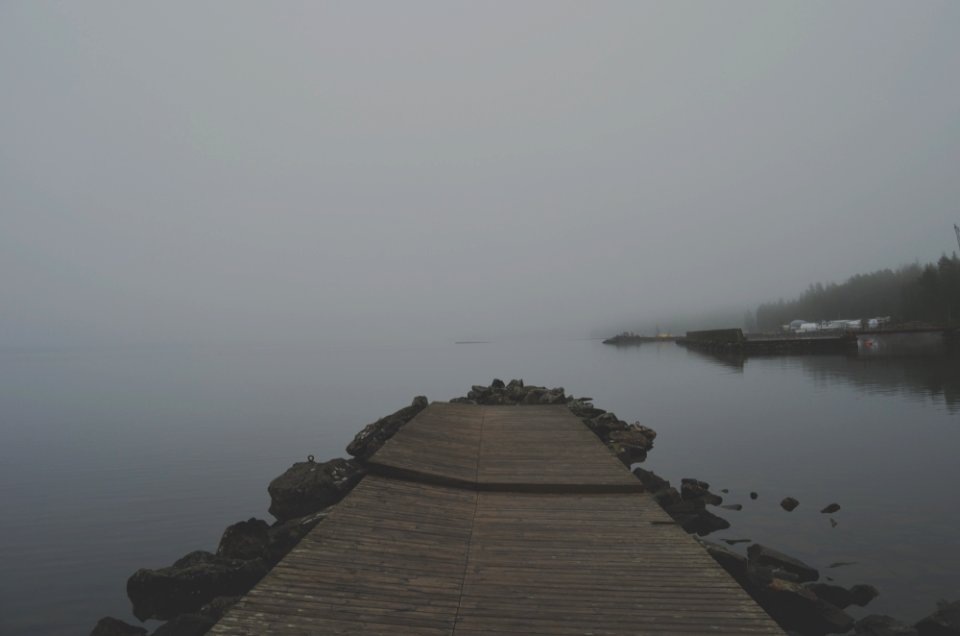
column 483, row 419
column 473, row 527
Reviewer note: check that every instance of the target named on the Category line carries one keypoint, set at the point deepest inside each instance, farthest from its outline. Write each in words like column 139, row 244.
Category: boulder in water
column 307, row 487
column 190, row 583
column 373, row 436
column 110, row 626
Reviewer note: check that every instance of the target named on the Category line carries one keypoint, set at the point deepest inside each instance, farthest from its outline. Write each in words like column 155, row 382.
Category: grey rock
column 283, row 536
column 735, row 564
column 861, row 595
column 584, row 410
column 763, row 575
column 651, row 481
column 109, row 626
column 533, row 395
column 789, row 503
column 795, row 607
column 881, row 625
column 245, row 540
column 186, row 625
column 190, row 583
column 944, row 622
column 693, row 489
column 830, row 509
column 216, row 608
column 373, row 436
column 763, row 555
column 700, row 522
column 307, row 487
column 631, row 444
column 842, row 597
column 604, row 424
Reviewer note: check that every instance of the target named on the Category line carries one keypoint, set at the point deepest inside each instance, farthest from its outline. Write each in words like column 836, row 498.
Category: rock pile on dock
column 629, row 442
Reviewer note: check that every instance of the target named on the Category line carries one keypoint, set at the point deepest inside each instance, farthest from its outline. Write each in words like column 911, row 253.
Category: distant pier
column 733, row 340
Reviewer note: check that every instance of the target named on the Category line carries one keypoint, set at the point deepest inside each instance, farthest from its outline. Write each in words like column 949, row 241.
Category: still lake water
column 111, row 460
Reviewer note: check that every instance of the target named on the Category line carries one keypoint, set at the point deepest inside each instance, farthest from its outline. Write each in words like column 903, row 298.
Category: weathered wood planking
column 594, row 564
column 532, row 448
column 508, row 520
column 389, row 559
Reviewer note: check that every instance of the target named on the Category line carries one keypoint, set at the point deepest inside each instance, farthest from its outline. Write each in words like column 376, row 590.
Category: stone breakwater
column 195, row 591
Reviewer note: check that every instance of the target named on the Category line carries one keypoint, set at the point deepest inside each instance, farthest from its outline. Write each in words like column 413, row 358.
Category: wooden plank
column 503, row 448
column 600, row 564
column 389, row 559
column 507, row 520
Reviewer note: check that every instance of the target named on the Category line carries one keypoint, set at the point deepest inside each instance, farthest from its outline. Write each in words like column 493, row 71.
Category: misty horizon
column 246, row 172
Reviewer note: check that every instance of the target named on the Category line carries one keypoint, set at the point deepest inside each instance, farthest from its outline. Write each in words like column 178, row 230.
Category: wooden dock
column 496, row 520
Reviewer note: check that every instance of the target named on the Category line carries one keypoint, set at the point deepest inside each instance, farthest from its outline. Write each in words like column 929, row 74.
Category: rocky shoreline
column 194, row 592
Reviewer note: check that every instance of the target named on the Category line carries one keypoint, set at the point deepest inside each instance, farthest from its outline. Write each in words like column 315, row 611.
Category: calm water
column 115, row 460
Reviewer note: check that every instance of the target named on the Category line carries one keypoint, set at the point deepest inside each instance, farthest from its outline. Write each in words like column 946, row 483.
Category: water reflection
column 934, row 375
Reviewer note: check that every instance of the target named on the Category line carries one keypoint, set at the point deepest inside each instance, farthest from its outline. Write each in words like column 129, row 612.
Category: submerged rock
column 763, row 555
column 842, row 597
column 190, row 583
column 736, row 541
column 110, row 626
column 880, row 625
column 307, row 487
column 795, row 607
column 789, row 503
column 841, row 564
column 186, row 625
column 373, row 436
column 944, row 622
column 831, row 508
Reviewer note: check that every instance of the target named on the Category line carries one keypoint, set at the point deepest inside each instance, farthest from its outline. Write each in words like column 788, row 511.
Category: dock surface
column 496, row 520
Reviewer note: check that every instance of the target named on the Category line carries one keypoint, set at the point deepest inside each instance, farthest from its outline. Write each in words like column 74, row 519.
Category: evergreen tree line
column 929, row 293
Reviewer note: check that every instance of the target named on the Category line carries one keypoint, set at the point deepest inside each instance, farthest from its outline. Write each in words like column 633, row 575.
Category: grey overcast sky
column 255, row 171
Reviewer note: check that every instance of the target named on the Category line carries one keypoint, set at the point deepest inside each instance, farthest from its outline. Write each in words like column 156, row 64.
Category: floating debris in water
column 840, row 564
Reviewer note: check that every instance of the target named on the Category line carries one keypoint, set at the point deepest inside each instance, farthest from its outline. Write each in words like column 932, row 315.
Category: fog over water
column 233, row 233
column 251, row 172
